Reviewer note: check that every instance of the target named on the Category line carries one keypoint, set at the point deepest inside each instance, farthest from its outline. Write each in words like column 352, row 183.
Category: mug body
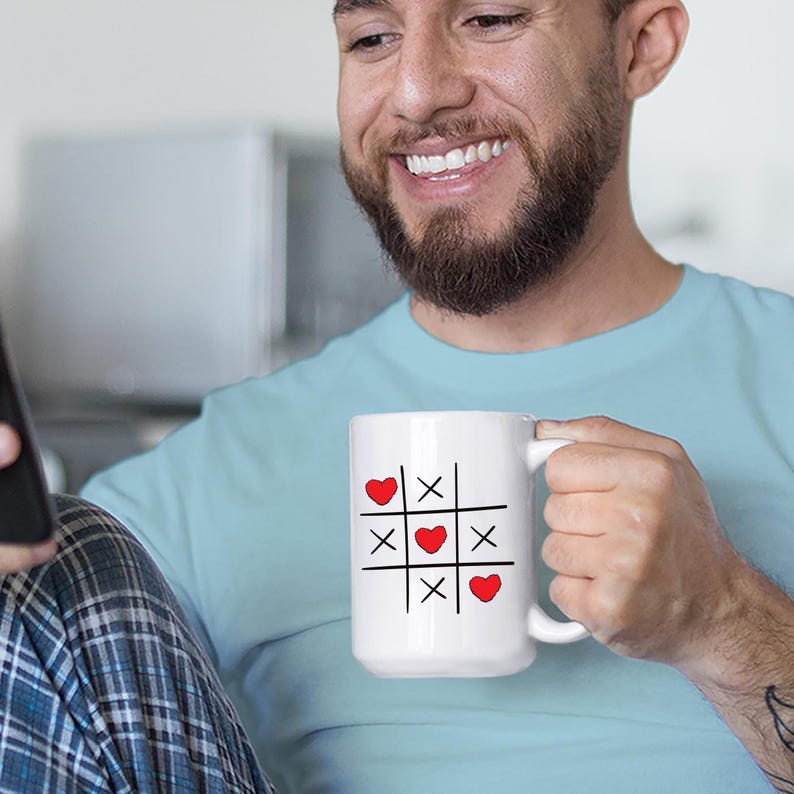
column 442, row 543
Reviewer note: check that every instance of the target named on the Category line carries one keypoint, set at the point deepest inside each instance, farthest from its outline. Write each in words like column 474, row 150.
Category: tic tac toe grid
column 484, row 588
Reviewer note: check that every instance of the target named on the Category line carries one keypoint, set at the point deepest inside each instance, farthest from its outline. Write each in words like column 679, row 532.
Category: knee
column 81, row 525
column 98, row 548
column 97, row 557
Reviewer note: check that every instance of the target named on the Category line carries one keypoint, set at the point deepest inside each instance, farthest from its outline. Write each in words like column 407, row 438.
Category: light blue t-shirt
column 246, row 510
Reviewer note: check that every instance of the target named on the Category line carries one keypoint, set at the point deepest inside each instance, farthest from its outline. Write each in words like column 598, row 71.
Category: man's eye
column 488, row 21
column 370, row 43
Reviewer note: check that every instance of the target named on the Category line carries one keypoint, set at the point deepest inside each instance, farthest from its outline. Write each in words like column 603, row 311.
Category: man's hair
column 614, row 8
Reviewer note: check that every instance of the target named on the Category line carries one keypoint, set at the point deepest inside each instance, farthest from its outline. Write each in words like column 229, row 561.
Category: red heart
column 382, row 492
column 485, row 589
column 431, row 540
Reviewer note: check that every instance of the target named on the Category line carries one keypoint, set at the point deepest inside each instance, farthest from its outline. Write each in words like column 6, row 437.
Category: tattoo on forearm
column 780, row 784
column 783, row 716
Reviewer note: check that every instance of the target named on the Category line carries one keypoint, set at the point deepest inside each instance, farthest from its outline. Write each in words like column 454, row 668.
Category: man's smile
column 420, row 164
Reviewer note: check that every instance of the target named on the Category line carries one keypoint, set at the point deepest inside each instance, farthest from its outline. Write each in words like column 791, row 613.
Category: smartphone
column 27, row 514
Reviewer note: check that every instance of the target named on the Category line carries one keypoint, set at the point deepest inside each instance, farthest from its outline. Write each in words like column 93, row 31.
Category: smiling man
column 488, row 144
column 429, row 125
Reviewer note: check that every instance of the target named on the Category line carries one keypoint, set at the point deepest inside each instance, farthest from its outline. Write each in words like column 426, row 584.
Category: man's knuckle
column 597, row 423
column 673, row 449
column 661, row 472
column 609, row 609
column 643, row 518
column 622, row 565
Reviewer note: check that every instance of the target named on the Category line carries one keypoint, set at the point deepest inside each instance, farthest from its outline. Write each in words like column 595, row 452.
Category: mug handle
column 540, row 626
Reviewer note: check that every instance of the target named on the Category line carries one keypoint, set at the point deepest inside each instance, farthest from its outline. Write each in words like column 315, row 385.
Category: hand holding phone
column 16, row 557
column 26, row 512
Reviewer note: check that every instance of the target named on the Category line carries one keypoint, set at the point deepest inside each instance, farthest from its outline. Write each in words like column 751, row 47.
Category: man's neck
column 610, row 282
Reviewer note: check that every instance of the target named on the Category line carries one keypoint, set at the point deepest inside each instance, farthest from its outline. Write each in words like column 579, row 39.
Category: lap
column 103, row 684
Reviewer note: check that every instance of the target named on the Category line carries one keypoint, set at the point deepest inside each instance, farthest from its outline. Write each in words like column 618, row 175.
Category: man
column 488, row 142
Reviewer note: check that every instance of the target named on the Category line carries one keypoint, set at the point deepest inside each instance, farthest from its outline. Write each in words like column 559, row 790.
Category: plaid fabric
column 103, row 686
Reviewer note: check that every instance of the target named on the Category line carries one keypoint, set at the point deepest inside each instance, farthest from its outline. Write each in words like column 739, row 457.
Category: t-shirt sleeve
column 151, row 495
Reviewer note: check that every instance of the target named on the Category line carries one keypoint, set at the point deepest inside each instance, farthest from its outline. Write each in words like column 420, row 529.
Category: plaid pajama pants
column 103, row 685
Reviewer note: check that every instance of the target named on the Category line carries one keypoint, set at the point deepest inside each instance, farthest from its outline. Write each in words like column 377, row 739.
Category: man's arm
column 749, row 678
column 643, row 562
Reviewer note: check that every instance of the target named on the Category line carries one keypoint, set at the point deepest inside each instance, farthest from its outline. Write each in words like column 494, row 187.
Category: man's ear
column 651, row 35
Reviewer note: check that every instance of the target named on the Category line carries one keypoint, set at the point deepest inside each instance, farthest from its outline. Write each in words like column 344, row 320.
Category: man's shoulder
column 750, row 330
column 744, row 311
column 766, row 303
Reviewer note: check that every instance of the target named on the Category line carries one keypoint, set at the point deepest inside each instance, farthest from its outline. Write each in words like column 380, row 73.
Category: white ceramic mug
column 443, row 544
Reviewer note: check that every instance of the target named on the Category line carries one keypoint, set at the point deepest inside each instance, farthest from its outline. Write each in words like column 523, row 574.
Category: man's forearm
column 642, row 561
column 749, row 679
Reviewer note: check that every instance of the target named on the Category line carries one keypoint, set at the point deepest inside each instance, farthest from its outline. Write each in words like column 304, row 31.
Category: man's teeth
column 456, row 159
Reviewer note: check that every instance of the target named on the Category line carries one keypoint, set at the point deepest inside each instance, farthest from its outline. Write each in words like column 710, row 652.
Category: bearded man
column 488, row 144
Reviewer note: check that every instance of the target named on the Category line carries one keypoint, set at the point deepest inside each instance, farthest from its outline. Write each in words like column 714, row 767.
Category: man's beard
column 455, row 269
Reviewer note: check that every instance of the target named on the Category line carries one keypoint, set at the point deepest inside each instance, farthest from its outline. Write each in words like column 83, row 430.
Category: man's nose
column 430, row 76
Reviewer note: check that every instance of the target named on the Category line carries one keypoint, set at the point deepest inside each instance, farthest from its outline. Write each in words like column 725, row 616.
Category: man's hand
column 15, row 558
column 641, row 557
column 644, row 564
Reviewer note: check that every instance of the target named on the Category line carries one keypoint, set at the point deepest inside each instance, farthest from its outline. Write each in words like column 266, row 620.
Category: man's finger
column 572, row 555
column 593, row 468
column 570, row 594
column 14, row 559
column 603, row 430
column 10, row 445
column 580, row 513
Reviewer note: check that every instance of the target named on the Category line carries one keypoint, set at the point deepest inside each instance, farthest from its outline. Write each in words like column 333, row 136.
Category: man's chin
column 459, row 225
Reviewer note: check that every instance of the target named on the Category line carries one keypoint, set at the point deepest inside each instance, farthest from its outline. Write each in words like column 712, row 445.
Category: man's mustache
column 450, row 129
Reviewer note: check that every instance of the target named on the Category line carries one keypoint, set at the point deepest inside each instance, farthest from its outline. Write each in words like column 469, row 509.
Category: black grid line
column 419, row 565
column 407, row 552
column 456, row 510
column 457, row 544
column 436, row 512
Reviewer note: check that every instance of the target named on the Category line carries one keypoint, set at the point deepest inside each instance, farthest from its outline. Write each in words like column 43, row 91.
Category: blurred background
column 172, row 217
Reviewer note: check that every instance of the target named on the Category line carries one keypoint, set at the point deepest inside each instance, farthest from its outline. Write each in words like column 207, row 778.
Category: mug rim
column 441, row 413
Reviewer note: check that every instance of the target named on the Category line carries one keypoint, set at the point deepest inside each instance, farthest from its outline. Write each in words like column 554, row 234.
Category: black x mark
column 484, row 538
column 434, row 590
column 383, row 541
column 430, row 488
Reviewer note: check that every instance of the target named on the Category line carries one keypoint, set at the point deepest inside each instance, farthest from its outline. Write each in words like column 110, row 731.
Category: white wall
column 713, row 144
column 72, row 66
column 713, row 166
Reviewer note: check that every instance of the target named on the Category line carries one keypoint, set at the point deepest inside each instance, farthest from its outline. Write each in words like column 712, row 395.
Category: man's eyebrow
column 344, row 7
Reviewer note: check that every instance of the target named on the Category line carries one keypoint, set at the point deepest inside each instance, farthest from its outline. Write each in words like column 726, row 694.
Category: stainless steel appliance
column 156, row 267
